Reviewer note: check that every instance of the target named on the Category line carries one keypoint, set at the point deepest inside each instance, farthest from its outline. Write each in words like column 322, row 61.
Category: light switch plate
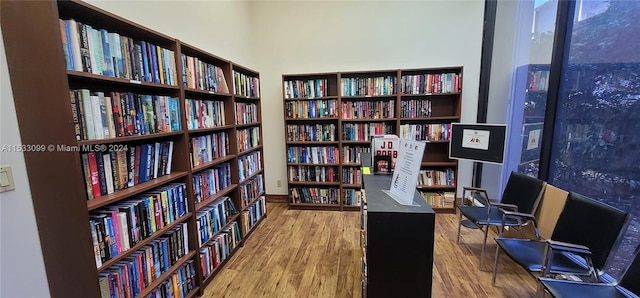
column 6, row 179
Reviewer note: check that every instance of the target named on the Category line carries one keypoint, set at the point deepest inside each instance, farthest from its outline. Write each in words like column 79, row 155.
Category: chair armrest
column 566, row 247
column 505, row 206
column 569, row 247
column 474, row 188
column 517, row 214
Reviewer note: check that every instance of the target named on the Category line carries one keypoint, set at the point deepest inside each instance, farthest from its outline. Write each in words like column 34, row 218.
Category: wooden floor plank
column 297, row 253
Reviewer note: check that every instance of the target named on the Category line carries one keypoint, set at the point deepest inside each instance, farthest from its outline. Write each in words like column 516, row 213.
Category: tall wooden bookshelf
column 188, row 206
column 329, row 113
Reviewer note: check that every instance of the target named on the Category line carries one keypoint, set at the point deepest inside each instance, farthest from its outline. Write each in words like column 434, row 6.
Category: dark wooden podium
column 399, row 242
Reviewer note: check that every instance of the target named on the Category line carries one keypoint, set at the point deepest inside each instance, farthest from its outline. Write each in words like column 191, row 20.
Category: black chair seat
column 478, row 216
column 583, row 222
column 629, row 285
column 521, row 194
column 530, row 253
column 564, row 289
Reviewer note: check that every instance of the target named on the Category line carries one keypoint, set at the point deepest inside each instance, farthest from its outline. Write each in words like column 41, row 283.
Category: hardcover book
column 384, row 150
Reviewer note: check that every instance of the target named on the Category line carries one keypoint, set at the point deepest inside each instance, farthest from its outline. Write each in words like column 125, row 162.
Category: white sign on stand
column 405, row 174
column 475, row 139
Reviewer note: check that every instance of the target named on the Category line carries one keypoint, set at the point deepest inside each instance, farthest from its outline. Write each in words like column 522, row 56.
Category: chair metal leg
column 459, row 225
column 484, row 245
column 495, row 266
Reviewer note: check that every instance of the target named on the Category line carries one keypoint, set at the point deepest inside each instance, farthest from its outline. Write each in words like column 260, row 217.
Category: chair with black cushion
column 585, row 234
column 628, row 285
column 521, row 194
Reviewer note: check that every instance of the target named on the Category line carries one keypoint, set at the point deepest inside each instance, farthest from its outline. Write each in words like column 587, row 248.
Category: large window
column 596, row 139
column 536, row 85
column 528, row 103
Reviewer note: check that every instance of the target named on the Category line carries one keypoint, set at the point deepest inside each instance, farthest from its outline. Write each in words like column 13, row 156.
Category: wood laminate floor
column 297, row 253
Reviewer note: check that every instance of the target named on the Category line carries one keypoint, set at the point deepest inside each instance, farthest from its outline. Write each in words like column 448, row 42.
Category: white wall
column 310, row 36
column 222, row 28
column 22, row 272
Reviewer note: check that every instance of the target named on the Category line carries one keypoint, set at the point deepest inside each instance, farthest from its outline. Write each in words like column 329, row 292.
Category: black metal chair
column 521, row 194
column 583, row 238
column 627, row 286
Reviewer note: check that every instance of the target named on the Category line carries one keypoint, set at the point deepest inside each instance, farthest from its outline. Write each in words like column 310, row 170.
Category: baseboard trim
column 277, row 198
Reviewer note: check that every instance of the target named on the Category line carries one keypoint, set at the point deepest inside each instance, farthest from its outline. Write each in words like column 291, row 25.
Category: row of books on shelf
column 538, row 80
column 132, row 275
column 351, row 154
column 178, row 285
column 309, row 109
column 197, row 74
column 313, row 174
column 311, row 132
column 352, row 197
column 246, row 113
column 415, row 108
column 352, row 175
column 253, row 214
column 113, row 167
column 249, row 164
column 437, row 177
column 364, row 131
column 251, row 190
column 306, row 88
column 208, row 182
column 375, row 86
column 368, row 109
column 314, row 195
column 248, row 138
column 102, row 115
column 207, row 148
column 426, row 132
column 219, row 248
column 118, row 227
column 431, row 83
column 439, row 199
column 101, row 52
column 204, row 113
column 324, row 155
column 211, row 219
column 245, row 85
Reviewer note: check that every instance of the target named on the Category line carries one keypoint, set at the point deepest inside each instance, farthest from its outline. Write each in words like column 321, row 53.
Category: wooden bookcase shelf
column 215, row 162
column 155, row 136
column 215, row 197
column 139, row 89
column 252, row 149
column 210, row 129
column 215, row 272
column 310, row 183
column 144, row 242
column 134, row 190
column 230, row 221
column 79, row 77
column 414, row 101
column 311, row 119
column 248, row 125
column 313, row 143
